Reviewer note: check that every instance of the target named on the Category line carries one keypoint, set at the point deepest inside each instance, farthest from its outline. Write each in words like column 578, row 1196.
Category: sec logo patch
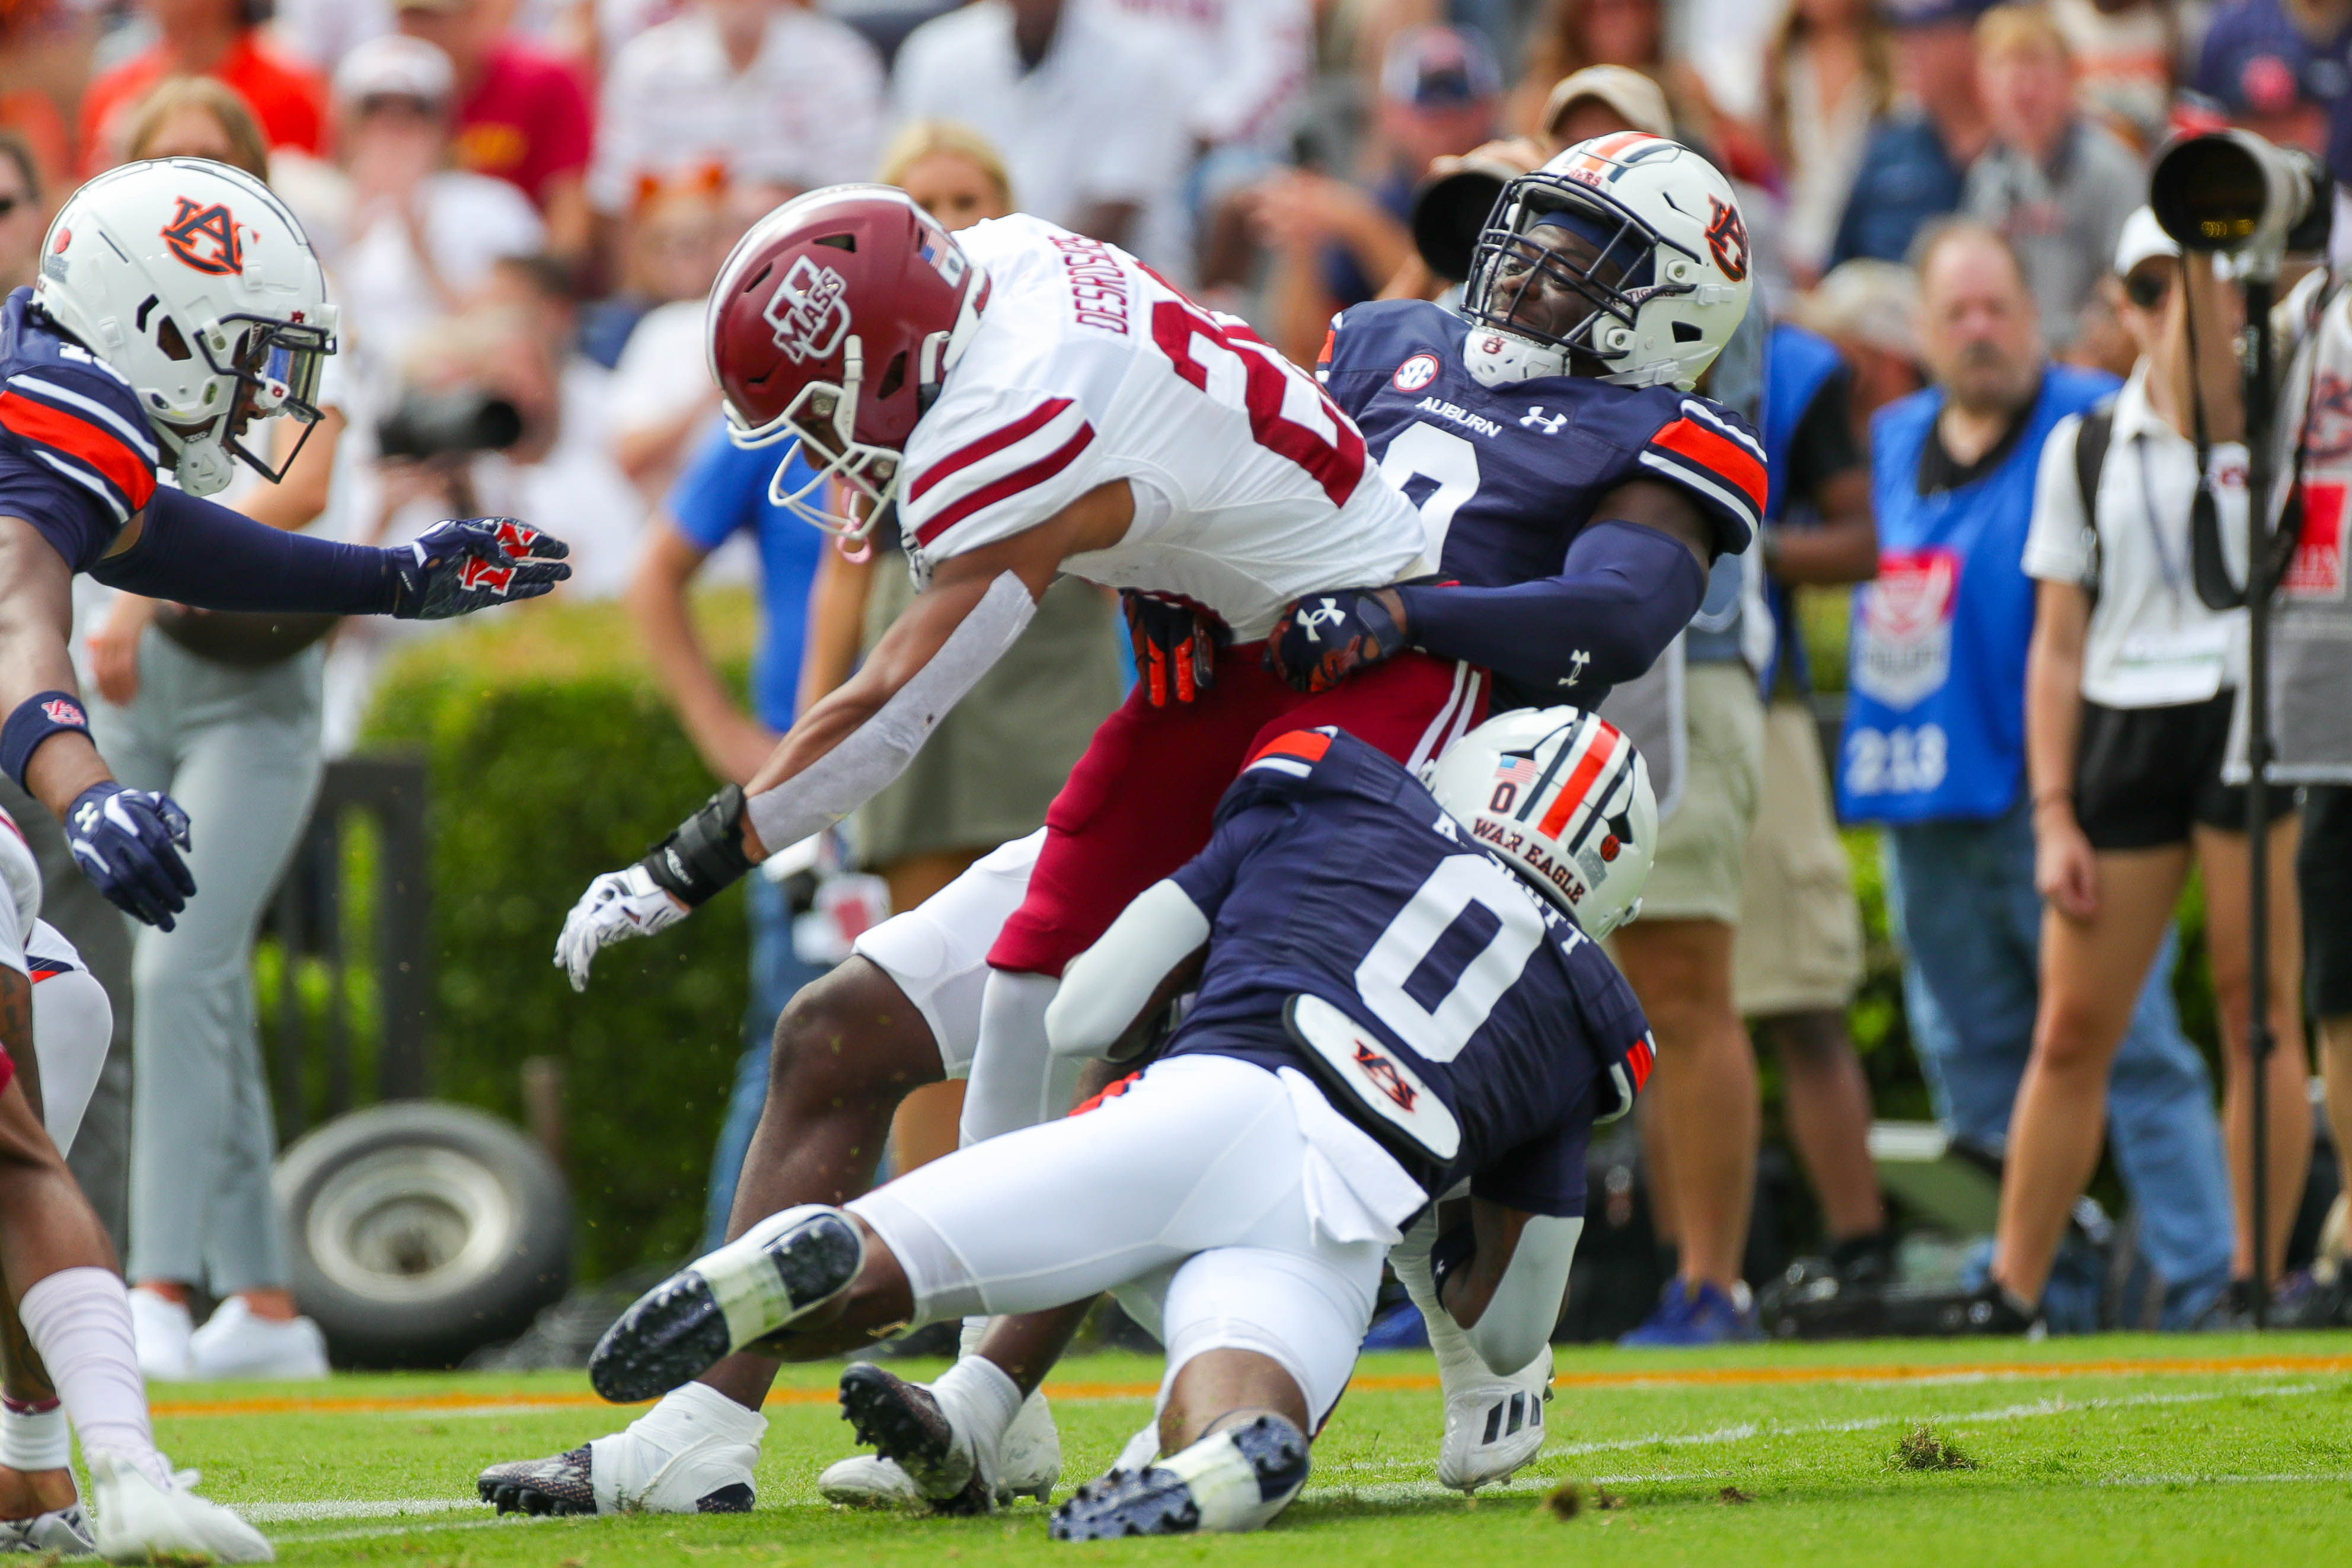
column 1415, row 373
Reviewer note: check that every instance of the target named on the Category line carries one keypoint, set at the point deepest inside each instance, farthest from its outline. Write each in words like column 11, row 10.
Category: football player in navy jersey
column 178, row 303
column 1399, row 994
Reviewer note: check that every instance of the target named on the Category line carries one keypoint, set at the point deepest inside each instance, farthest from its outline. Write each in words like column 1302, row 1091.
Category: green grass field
column 2138, row 1451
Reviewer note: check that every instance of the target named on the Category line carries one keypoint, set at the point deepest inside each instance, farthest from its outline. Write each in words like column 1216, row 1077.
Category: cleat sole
column 902, row 1423
column 1123, row 1503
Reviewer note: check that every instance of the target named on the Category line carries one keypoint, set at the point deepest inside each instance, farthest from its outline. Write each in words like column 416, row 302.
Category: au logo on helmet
column 807, row 312
column 1727, row 235
column 206, row 237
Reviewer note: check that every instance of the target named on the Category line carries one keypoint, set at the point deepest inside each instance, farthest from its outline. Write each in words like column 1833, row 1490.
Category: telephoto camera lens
column 436, row 424
column 1450, row 212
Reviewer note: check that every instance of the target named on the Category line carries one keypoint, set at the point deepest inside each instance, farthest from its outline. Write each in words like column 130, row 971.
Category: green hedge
column 552, row 758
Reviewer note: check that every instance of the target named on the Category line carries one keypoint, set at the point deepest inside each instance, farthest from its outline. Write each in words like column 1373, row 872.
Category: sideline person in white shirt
column 2128, row 706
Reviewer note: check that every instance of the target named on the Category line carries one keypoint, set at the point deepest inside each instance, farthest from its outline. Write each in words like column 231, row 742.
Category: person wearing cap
column 1335, row 241
column 1869, row 310
column 522, row 115
column 2057, row 182
column 1934, row 748
column 1917, row 158
column 2128, row 708
column 218, row 38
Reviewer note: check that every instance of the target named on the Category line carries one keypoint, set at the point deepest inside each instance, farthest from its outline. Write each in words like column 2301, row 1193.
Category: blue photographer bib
column 1934, row 716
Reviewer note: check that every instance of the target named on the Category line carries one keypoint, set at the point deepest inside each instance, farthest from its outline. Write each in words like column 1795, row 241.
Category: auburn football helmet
column 1627, row 250
column 832, row 325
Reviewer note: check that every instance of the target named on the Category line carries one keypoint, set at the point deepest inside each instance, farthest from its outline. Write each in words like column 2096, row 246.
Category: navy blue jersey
column 76, row 457
column 1335, row 878
column 1510, row 474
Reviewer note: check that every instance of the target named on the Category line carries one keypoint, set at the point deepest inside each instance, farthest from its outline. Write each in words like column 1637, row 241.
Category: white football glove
column 617, row 905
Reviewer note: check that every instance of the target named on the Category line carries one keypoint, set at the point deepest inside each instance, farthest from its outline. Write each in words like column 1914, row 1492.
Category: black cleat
column 1235, row 1479
column 903, row 1423
column 774, row 1275
column 557, row 1484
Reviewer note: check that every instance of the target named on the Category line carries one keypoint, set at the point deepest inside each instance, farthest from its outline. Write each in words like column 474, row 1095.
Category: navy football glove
column 1325, row 637
column 469, row 564
column 123, row 840
column 1175, row 646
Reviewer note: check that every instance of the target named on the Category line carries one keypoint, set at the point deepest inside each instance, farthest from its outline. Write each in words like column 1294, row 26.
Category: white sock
column 34, row 1437
column 1458, row 1360
column 978, row 1390
column 968, row 1341
column 79, row 1323
column 685, row 1415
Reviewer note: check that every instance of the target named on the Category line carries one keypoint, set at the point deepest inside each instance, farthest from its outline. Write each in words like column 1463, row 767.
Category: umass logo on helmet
column 807, row 312
column 204, row 236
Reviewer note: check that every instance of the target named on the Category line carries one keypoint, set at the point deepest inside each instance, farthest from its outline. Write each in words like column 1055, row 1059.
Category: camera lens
column 2210, row 194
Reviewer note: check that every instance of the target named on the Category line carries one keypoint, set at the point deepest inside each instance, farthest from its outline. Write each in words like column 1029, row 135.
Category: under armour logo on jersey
column 1535, row 419
column 1330, row 615
column 1576, row 663
column 206, row 237
column 807, row 312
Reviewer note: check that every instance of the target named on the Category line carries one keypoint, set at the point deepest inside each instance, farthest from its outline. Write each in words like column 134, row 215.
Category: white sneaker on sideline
column 138, row 1522
column 161, row 1328
column 236, row 1343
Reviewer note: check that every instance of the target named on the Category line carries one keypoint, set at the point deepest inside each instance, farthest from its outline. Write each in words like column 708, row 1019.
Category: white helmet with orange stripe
column 1564, row 798
column 1624, row 257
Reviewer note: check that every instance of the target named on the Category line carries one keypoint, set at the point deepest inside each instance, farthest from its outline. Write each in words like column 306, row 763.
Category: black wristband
column 705, row 856
column 36, row 719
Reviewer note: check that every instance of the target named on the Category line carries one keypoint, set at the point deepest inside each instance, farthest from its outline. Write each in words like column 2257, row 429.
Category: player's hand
column 1324, row 638
column 469, row 564
column 128, row 842
column 617, row 905
column 1175, row 646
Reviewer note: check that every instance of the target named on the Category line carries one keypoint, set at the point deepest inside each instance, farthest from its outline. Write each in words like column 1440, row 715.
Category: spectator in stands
column 1917, row 157
column 2127, row 728
column 1091, row 122
column 2129, row 56
column 1335, row 242
column 662, row 396
column 1797, row 956
column 224, row 709
column 1829, row 76
column 45, row 48
column 416, row 238
column 1934, row 748
column 218, row 38
column 1573, row 33
column 23, row 218
column 765, row 91
column 522, row 115
column 2055, row 181
column 2279, row 68
column 1868, row 308
column 1242, row 65
column 995, row 762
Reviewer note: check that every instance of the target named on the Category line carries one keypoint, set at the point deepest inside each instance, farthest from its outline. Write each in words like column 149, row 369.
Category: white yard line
column 339, row 1508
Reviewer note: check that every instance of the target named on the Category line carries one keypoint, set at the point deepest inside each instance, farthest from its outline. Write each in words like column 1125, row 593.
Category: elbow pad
column 198, row 553
column 878, row 750
column 1624, row 593
column 1106, row 987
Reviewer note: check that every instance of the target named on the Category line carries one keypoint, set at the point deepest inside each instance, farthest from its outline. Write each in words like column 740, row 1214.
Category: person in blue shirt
column 1916, row 160
column 1399, row 994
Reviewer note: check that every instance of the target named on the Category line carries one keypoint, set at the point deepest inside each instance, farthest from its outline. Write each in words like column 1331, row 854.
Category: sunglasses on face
column 2147, row 290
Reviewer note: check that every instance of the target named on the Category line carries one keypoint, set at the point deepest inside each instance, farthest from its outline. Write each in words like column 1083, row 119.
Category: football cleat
column 1235, row 1479
column 1029, row 1462
column 776, row 1273
column 63, row 1530
column 692, row 1453
column 142, row 1522
column 907, row 1424
column 864, row 1481
column 1494, row 1425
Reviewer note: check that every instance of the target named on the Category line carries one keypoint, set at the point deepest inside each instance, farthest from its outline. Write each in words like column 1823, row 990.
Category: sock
column 1458, row 1360
column 79, row 1323
column 34, row 1437
column 977, row 1391
column 685, row 1415
column 968, row 1341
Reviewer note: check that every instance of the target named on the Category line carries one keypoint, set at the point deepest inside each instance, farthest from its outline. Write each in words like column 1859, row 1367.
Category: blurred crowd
column 523, row 205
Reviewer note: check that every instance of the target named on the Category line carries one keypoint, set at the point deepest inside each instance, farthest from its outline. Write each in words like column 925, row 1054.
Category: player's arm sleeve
column 1112, row 985
column 1520, row 1316
column 1622, row 594
column 1711, row 456
column 1004, row 465
column 194, row 551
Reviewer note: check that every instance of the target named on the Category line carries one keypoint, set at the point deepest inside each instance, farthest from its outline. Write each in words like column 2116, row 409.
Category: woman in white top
column 2128, row 702
column 1829, row 71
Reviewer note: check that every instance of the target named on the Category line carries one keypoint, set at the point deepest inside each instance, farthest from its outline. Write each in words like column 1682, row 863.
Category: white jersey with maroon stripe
column 1251, row 486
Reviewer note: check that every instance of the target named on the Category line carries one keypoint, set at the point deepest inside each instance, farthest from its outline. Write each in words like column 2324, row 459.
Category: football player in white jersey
column 65, row 1317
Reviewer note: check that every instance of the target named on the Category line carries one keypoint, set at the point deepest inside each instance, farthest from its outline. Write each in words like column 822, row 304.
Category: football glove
column 617, row 905
column 470, row 563
column 1324, row 638
column 124, row 840
column 1175, row 646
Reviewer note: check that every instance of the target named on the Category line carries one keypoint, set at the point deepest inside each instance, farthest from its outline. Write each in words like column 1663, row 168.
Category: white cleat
column 692, row 1453
column 1028, row 1464
column 1143, row 1450
column 140, row 1522
column 64, row 1531
column 1494, row 1426
column 864, row 1481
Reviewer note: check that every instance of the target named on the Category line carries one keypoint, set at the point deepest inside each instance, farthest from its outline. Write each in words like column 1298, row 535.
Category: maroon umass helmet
column 832, row 325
